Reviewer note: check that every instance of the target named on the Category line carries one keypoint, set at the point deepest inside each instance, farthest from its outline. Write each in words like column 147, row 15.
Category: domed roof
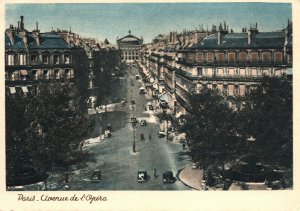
column 130, row 39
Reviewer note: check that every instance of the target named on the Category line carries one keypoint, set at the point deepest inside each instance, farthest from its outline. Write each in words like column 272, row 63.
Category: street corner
column 191, row 177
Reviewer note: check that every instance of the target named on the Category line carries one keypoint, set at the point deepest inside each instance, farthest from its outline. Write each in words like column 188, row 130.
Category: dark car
column 96, row 176
column 143, row 122
column 142, row 176
column 151, row 107
column 168, row 177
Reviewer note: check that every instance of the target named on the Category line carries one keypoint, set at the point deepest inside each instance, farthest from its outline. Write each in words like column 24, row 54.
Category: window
column 33, row 74
column 265, row 71
column 199, row 57
column 247, row 89
column 231, row 71
column 236, row 90
column 278, row 57
column 231, row 57
column 191, row 57
column 55, row 59
column 68, row 73
column 22, row 59
column 56, row 74
column 254, row 57
column 34, row 58
column 221, row 57
column 45, row 74
column 225, row 89
column 10, row 59
column 266, row 57
column 243, row 56
column 67, row 59
column 199, row 71
column 210, row 57
column 45, row 59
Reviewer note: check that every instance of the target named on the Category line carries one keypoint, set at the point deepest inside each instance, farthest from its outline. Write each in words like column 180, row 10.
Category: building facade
column 231, row 62
column 34, row 57
column 130, row 47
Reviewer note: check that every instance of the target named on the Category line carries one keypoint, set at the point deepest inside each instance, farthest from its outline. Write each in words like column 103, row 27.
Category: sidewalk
column 191, row 177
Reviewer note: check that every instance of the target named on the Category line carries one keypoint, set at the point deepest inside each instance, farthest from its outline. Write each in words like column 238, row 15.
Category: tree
column 56, row 128
column 168, row 118
column 267, row 116
column 210, row 128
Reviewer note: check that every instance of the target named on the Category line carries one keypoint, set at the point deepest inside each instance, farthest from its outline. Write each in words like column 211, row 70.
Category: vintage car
column 168, row 177
column 143, row 122
column 142, row 176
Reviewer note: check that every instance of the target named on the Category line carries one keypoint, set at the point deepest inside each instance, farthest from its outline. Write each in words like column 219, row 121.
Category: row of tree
column 44, row 131
column 262, row 126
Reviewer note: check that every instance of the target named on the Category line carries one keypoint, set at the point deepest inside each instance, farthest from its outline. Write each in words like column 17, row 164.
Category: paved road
column 116, row 159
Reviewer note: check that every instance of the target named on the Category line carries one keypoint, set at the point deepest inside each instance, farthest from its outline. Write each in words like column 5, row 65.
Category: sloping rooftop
column 48, row 40
column 240, row 40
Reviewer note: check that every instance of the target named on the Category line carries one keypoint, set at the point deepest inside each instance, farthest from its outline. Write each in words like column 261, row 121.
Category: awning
column 23, row 72
column 164, row 97
column 12, row 90
column 24, row 89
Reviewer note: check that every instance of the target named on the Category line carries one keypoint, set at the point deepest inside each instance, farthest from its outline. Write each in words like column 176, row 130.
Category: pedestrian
column 183, row 146
column 66, row 177
column 150, row 136
column 154, row 173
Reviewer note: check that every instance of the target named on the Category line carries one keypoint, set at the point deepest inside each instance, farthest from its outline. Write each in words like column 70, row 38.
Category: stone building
column 96, row 64
column 130, row 47
column 232, row 62
column 34, row 57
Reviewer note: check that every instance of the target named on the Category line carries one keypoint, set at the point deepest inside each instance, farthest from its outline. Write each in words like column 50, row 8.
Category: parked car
column 107, row 133
column 168, row 177
column 164, row 104
column 137, row 76
column 151, row 107
column 143, row 122
column 96, row 176
column 195, row 165
column 142, row 176
column 142, row 90
column 161, row 134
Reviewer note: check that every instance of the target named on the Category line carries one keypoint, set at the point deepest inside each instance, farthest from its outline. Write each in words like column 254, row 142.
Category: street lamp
column 133, row 123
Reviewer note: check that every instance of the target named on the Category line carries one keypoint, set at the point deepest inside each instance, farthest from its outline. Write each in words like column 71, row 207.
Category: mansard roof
column 240, row 41
column 48, row 40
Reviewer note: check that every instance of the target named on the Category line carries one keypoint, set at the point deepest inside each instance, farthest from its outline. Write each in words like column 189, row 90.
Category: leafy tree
column 169, row 118
column 267, row 116
column 14, row 132
column 210, row 128
column 56, row 128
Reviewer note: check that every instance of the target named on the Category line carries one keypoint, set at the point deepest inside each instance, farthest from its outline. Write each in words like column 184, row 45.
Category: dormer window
column 67, row 59
column 55, row 59
column 34, row 58
column 45, row 59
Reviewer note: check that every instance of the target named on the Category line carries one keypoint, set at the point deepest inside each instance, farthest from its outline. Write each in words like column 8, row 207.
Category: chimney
column 36, row 34
column 22, row 22
column 249, row 37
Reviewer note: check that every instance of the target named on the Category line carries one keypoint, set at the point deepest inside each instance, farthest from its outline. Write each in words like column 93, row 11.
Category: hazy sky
column 106, row 20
